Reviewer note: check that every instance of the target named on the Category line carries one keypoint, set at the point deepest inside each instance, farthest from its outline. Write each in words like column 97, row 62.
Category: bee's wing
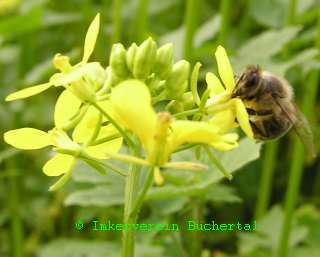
column 303, row 130
column 301, row 127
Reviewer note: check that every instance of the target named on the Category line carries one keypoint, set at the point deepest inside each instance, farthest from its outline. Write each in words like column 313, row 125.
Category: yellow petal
column 91, row 38
column 131, row 103
column 224, row 120
column 98, row 151
column 107, row 106
column 214, row 84
column 27, row 92
column 193, row 132
column 225, row 69
column 226, row 142
column 107, row 131
column 27, row 138
column 66, row 107
column 86, row 127
column 243, row 118
column 58, row 165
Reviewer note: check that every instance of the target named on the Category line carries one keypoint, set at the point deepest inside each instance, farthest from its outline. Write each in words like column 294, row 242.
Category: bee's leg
column 259, row 113
column 258, row 129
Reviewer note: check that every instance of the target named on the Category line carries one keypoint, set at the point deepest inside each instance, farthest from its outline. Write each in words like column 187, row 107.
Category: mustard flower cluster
column 102, row 108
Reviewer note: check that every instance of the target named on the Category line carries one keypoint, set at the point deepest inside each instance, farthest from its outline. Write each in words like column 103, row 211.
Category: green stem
column 16, row 224
column 196, row 237
column 191, row 22
column 141, row 196
column 216, row 162
column 268, row 167
column 142, row 20
column 121, row 131
column 132, row 184
column 116, row 21
column 106, row 165
column 186, row 113
column 298, row 161
column 225, row 11
column 105, row 139
column 296, row 171
column 291, row 12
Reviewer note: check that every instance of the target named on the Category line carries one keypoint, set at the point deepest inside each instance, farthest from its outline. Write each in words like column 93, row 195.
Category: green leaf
column 270, row 13
column 66, row 247
column 104, row 196
column 176, row 38
column 207, row 31
column 250, row 52
column 21, row 24
column 85, row 174
column 222, row 193
column 56, row 18
column 269, row 231
column 268, row 43
column 167, row 207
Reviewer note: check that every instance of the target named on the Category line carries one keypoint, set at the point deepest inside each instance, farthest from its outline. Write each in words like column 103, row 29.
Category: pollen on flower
column 61, row 140
column 62, row 62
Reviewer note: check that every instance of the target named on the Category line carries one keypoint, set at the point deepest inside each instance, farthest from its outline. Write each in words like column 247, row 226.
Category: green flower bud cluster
column 155, row 67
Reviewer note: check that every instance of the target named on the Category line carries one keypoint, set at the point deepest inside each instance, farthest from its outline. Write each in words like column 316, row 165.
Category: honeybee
column 269, row 101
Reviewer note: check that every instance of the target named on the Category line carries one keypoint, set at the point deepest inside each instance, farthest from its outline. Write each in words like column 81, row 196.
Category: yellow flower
column 159, row 133
column 67, row 149
column 224, row 108
column 71, row 74
column 8, row 5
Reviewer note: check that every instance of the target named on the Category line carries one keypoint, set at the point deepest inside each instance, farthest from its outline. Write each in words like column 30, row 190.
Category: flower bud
column 144, row 59
column 118, row 61
column 131, row 53
column 175, row 106
column 177, row 82
column 97, row 75
column 164, row 61
column 187, row 100
column 83, row 91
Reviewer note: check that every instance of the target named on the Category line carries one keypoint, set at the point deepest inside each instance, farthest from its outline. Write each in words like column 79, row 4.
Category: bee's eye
column 252, row 80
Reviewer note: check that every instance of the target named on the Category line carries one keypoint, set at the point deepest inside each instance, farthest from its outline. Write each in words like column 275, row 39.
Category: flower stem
column 141, row 196
column 196, row 238
column 106, row 165
column 191, row 22
column 105, row 139
column 186, row 113
column 128, row 236
column 116, row 21
column 296, row 169
column 15, row 218
column 127, row 158
column 291, row 197
column 217, row 163
column 142, row 20
column 268, row 166
column 291, row 12
column 121, row 131
column 225, row 10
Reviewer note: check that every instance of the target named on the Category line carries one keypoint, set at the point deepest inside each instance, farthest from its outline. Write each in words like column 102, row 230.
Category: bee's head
column 248, row 83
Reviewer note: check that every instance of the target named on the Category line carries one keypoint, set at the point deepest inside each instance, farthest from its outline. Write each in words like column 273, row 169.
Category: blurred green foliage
column 34, row 222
